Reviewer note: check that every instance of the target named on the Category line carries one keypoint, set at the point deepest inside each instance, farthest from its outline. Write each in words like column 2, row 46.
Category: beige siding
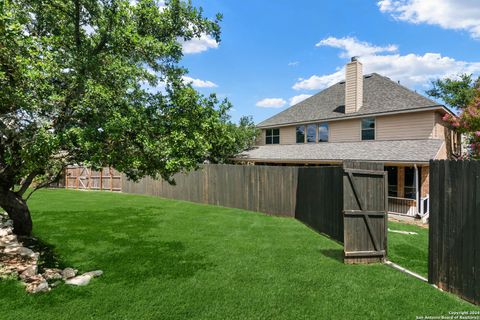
column 345, row 130
column 439, row 128
column 442, row 153
column 261, row 138
column 287, row 135
column 416, row 125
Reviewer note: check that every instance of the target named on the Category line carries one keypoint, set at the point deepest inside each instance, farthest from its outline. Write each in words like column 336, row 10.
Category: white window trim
column 374, row 129
column 272, row 135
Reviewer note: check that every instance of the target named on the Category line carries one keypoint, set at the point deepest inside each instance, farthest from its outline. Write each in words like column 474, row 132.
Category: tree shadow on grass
column 334, row 254
column 48, row 258
column 143, row 260
column 127, row 247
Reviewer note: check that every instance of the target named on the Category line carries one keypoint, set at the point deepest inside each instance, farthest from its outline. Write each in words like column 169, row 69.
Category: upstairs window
column 323, row 132
column 311, row 133
column 272, row 136
column 368, row 129
column 300, row 134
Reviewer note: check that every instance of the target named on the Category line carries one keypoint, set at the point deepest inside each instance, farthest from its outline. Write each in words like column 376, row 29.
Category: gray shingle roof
column 380, row 94
column 384, row 151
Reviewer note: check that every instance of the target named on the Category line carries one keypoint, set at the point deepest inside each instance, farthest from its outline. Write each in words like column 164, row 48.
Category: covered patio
column 408, row 190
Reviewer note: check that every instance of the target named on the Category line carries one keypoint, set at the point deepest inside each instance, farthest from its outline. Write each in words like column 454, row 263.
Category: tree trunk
column 18, row 211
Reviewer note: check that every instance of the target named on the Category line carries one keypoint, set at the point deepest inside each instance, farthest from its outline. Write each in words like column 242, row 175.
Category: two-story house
column 366, row 118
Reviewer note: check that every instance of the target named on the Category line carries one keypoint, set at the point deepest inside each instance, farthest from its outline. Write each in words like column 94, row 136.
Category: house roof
column 380, row 95
column 401, row 151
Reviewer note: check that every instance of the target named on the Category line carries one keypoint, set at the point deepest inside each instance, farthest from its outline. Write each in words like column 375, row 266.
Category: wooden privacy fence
column 454, row 235
column 320, row 200
column 86, row 178
column 312, row 195
column 270, row 190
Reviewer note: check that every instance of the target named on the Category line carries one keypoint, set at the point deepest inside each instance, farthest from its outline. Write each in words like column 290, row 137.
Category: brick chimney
column 353, row 86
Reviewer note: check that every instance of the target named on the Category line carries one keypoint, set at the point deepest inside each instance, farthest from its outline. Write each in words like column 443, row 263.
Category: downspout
column 417, row 186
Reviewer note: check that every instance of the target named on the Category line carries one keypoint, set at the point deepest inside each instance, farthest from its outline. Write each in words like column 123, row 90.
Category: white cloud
column 352, row 47
column 198, row 45
column 293, row 63
column 448, row 14
column 198, row 83
column 413, row 70
column 319, row 82
column 271, row 103
column 296, row 99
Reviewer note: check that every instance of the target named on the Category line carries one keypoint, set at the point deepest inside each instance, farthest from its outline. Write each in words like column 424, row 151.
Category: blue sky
column 273, row 51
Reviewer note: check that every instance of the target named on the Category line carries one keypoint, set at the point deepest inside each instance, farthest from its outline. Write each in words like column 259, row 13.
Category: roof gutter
column 310, row 161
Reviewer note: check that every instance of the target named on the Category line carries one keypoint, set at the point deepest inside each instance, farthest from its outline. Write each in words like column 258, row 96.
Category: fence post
column 111, row 178
column 66, row 177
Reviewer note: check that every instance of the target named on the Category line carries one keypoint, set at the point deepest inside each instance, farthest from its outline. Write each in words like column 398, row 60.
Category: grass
column 409, row 250
column 166, row 259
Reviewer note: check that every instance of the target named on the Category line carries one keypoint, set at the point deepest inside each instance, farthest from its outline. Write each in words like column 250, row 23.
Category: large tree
column 457, row 93
column 98, row 82
column 462, row 94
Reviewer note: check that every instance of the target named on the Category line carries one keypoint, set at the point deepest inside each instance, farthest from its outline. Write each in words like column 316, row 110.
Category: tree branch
column 26, row 183
column 46, row 183
column 103, row 40
column 77, row 24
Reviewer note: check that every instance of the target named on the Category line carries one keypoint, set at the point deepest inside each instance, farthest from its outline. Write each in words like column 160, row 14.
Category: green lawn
column 409, row 250
column 175, row 260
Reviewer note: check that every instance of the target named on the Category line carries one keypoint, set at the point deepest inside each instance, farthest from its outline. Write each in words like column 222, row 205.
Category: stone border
column 20, row 262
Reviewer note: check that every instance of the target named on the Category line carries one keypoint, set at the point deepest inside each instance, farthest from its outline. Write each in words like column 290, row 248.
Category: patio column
column 417, row 188
column 401, row 182
column 424, row 181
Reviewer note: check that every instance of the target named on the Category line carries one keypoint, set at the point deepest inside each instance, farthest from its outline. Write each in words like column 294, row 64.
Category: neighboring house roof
column 382, row 151
column 380, row 95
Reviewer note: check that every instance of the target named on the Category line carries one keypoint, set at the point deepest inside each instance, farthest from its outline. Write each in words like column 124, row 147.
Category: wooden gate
column 365, row 205
column 86, row 178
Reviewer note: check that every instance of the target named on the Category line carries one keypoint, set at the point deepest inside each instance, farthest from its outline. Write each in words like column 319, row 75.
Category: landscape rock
column 3, row 243
column 38, row 287
column 96, row 273
column 6, row 224
column 29, row 272
column 10, row 238
column 36, row 279
column 82, row 280
column 42, row 287
column 5, row 232
column 19, row 250
column 68, row 273
column 52, row 274
column 17, row 261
